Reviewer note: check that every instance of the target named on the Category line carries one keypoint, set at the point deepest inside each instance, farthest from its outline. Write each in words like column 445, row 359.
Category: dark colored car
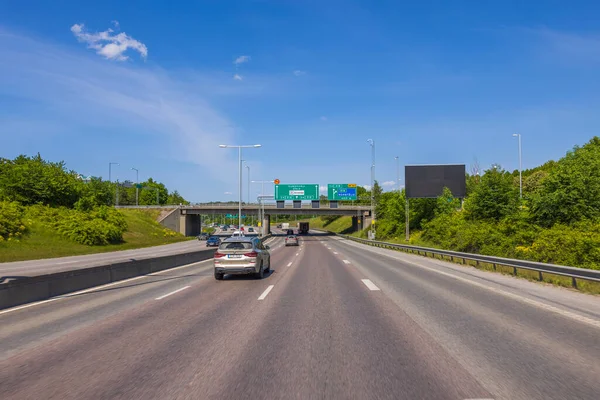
column 250, row 230
column 289, row 232
column 213, row 241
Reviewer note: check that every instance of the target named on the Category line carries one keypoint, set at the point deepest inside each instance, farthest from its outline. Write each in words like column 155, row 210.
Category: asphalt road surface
column 334, row 320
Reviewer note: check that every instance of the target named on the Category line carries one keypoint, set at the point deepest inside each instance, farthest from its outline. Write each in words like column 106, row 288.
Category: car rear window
column 291, row 237
column 235, row 246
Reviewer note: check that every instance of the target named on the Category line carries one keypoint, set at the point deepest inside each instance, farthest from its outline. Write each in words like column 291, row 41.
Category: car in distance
column 250, row 230
column 238, row 234
column 213, row 241
column 289, row 232
column 291, row 240
column 202, row 236
column 242, row 255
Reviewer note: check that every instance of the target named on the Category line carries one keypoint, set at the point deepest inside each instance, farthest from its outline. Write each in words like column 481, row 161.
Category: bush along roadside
column 12, row 224
column 95, row 227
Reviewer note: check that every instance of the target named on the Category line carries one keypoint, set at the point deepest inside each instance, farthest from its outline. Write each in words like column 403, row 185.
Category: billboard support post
column 407, row 221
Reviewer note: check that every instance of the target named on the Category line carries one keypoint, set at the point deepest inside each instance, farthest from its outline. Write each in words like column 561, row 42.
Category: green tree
column 571, row 191
column 148, row 196
column 31, row 180
column 494, row 197
column 176, row 198
column 446, row 203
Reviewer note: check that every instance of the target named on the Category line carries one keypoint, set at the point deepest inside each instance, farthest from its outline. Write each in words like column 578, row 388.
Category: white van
column 238, row 234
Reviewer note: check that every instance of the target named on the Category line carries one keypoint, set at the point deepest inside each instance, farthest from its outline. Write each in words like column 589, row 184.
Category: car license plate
column 234, row 256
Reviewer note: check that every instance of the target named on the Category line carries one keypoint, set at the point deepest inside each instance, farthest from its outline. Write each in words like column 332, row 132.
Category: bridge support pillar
column 355, row 226
column 190, row 224
column 266, row 224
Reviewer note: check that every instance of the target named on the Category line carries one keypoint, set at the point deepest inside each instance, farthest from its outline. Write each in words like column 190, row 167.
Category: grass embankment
column 338, row 225
column 43, row 242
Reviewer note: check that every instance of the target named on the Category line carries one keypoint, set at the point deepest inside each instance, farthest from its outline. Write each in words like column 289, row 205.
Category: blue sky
column 429, row 81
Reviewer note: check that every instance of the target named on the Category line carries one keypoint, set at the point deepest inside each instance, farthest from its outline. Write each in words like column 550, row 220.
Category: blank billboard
column 426, row 181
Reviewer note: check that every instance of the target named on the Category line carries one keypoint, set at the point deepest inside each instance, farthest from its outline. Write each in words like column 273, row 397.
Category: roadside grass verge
column 42, row 242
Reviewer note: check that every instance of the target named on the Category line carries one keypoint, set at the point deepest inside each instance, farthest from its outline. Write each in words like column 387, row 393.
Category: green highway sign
column 341, row 191
column 296, row 192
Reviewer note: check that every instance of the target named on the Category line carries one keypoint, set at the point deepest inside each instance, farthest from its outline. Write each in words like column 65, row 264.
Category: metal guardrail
column 541, row 268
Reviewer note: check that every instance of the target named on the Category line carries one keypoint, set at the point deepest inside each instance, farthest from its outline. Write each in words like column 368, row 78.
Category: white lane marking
column 266, row 292
column 297, row 254
column 369, row 284
column 346, row 262
column 289, row 264
column 335, row 252
column 547, row 307
column 173, row 292
column 64, row 296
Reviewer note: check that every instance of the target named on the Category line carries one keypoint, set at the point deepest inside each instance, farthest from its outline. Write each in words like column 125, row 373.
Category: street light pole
column 248, row 167
column 397, row 172
column 261, row 205
column 518, row 135
column 137, row 180
column 225, row 146
column 110, row 164
column 372, row 143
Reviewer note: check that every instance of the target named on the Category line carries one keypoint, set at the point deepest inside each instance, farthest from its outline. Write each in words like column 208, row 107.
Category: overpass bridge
column 186, row 218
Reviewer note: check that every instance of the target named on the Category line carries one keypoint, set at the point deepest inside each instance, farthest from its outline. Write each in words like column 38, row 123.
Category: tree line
column 557, row 220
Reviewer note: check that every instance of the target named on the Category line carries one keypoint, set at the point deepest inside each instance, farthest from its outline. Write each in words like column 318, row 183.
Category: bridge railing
column 247, row 206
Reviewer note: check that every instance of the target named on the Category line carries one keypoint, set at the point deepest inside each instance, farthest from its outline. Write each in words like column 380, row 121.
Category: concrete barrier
column 43, row 287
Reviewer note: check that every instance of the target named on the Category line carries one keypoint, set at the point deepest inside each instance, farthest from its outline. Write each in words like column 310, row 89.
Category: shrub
column 100, row 226
column 11, row 220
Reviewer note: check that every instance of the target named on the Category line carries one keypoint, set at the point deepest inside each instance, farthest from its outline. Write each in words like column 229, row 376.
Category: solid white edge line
column 526, row 300
column 346, row 261
column 65, row 296
column 289, row 264
column 173, row 292
column 266, row 292
column 335, row 252
column 369, row 284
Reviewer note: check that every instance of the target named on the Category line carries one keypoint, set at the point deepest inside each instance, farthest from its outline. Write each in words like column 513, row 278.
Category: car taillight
column 219, row 255
column 251, row 254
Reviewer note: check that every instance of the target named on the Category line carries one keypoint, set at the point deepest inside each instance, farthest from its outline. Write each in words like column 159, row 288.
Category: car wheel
column 261, row 272
column 219, row 276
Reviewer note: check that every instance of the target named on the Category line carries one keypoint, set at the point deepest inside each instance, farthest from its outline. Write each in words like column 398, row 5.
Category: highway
column 334, row 320
column 31, row 268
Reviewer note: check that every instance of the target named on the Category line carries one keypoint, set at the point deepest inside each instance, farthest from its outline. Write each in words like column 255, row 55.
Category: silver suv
column 242, row 255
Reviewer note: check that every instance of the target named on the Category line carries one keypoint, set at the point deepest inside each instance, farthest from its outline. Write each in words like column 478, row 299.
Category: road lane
column 54, row 265
column 23, row 328
column 315, row 327
column 328, row 336
column 143, row 351
column 516, row 350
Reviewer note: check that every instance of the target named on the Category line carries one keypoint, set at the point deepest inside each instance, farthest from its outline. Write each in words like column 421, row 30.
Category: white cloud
column 323, row 118
column 116, row 24
column 388, row 183
column 299, row 72
column 366, row 187
column 238, row 77
column 163, row 112
column 108, row 45
column 323, row 189
column 228, row 193
column 241, row 60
